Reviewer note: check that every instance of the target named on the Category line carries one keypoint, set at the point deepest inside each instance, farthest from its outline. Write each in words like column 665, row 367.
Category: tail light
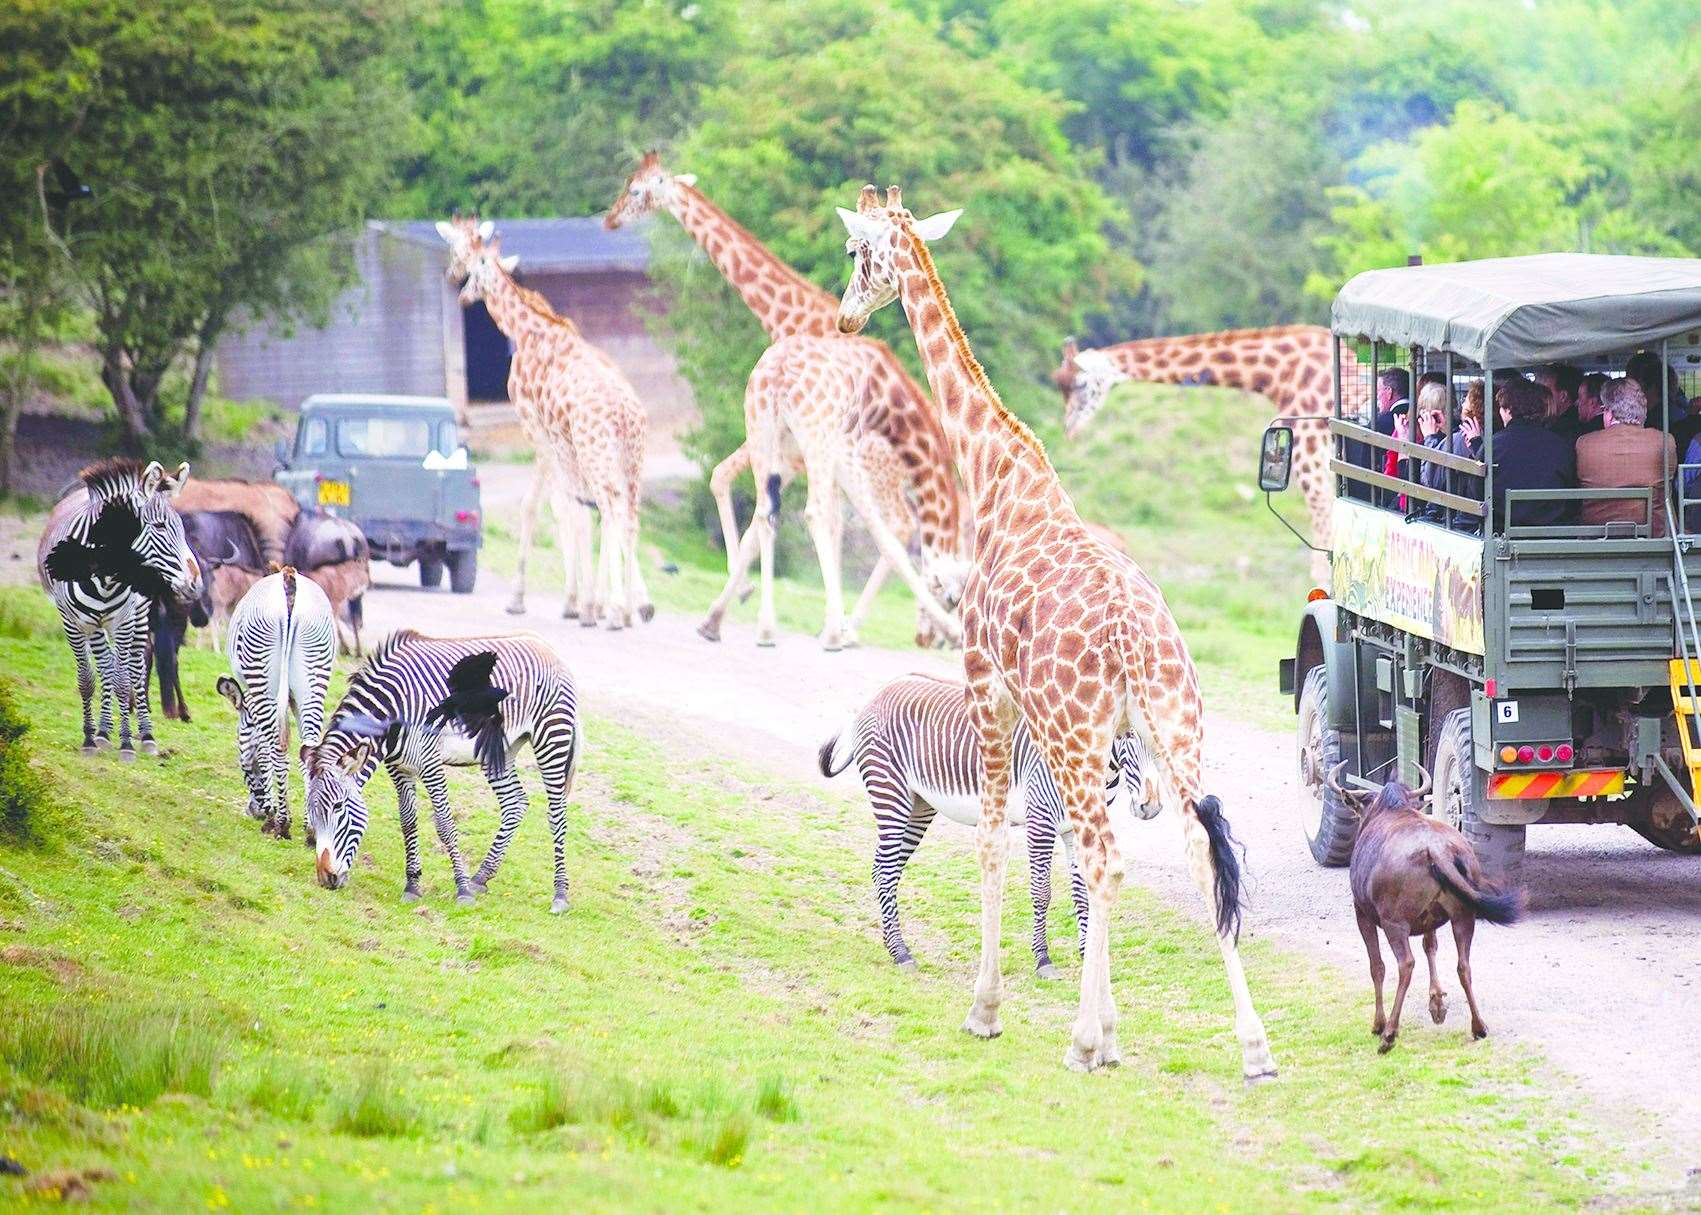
column 1544, row 753
column 466, row 516
column 1563, row 753
column 1526, row 754
column 1509, row 755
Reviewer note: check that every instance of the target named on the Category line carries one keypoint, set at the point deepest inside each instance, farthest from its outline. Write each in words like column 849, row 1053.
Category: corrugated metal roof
column 1518, row 311
column 571, row 246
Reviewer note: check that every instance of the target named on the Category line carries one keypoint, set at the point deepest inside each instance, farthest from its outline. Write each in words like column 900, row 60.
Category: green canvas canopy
column 1521, row 311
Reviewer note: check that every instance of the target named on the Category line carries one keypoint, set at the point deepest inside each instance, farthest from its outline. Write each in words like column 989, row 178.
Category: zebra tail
column 838, row 751
column 286, row 643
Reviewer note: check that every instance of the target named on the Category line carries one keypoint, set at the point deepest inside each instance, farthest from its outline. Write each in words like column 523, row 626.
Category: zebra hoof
column 479, row 885
column 906, row 964
column 102, row 743
column 647, row 612
column 465, row 897
column 89, row 748
column 410, row 894
column 1048, row 971
column 558, row 904
column 150, row 747
column 127, row 755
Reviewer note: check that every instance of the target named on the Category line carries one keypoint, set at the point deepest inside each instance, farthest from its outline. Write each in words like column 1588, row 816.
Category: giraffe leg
column 720, row 486
column 584, row 546
column 993, row 715
column 710, row 629
column 823, row 516
column 893, row 549
column 618, row 527
column 637, row 594
column 528, row 523
column 767, row 618
column 865, row 601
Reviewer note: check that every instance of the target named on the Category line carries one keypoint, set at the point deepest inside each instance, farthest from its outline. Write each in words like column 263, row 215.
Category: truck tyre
column 463, row 571
column 1458, row 796
column 430, row 572
column 1329, row 825
column 1658, row 817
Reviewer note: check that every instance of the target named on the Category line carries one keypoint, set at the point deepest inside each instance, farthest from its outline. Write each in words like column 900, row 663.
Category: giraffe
column 587, row 423
column 1060, row 631
column 1291, row 366
column 787, row 305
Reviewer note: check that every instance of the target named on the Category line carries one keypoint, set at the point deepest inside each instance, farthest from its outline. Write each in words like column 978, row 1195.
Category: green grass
column 714, row 1025
column 104, row 1056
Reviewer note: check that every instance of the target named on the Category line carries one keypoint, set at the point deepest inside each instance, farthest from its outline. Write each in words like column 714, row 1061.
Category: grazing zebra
column 283, row 640
column 918, row 755
column 422, row 702
column 108, row 550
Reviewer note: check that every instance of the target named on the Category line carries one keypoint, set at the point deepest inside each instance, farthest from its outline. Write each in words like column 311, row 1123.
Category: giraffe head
column 877, row 235
column 475, row 257
column 463, row 234
column 651, row 187
column 1085, row 378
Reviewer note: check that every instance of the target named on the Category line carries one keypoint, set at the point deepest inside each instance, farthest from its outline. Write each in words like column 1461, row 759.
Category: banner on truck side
column 1415, row 576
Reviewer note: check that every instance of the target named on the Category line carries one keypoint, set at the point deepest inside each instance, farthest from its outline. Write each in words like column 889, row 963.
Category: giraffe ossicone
column 1064, row 633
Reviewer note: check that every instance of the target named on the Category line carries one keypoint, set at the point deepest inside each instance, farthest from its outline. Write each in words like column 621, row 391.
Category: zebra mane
column 384, row 651
column 112, row 477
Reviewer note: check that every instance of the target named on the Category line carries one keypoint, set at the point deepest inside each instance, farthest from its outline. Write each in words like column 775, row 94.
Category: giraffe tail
column 1227, row 853
column 774, row 496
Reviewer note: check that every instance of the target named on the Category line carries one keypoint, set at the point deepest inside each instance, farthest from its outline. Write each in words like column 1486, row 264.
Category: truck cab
column 1544, row 668
column 396, row 466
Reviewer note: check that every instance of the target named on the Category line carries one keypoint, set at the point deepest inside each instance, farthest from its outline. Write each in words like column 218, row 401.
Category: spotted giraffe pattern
column 788, row 305
column 587, row 424
column 1059, row 630
column 1291, row 366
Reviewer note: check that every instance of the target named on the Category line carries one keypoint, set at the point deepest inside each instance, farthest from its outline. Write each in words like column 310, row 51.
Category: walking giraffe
column 892, row 405
column 1059, row 631
column 1289, row 365
column 585, row 420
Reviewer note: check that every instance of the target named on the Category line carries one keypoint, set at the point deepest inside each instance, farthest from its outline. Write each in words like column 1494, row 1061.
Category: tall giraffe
column 586, row 422
column 1291, row 366
column 1061, row 631
column 789, row 306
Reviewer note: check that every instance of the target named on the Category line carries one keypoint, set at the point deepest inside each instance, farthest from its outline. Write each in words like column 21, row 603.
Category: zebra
column 110, row 548
column 421, row 703
column 283, row 640
column 918, row 755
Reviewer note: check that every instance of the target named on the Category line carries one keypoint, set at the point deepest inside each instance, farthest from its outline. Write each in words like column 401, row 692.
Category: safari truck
column 1540, row 672
column 396, row 467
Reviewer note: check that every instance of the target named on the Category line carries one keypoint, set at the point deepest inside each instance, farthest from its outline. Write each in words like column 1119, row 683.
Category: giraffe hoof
column 1048, row 971
column 150, row 747
column 558, row 904
column 587, row 621
column 1078, row 1060
column 516, row 608
column 983, row 1025
column 709, row 631
column 647, row 612
column 1261, row 1077
column 766, row 641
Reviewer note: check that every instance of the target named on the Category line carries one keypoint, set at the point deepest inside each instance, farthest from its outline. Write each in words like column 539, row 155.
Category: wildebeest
column 268, row 507
column 232, row 533
column 223, row 544
column 1411, row 874
column 334, row 554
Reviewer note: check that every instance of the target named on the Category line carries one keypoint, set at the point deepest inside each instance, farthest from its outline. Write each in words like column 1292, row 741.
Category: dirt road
column 1603, row 978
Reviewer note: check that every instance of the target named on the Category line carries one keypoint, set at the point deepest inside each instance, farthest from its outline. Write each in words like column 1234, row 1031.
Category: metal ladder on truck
column 1685, row 670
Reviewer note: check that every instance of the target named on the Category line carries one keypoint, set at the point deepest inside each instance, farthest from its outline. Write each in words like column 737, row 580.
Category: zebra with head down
column 917, row 755
column 283, row 640
column 109, row 549
column 421, row 703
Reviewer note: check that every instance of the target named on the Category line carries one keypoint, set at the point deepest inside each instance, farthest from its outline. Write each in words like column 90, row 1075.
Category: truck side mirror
column 1275, row 459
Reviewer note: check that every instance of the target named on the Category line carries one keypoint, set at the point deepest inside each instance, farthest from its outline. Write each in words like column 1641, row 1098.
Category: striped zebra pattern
column 918, row 755
column 382, row 719
column 283, row 639
column 105, row 618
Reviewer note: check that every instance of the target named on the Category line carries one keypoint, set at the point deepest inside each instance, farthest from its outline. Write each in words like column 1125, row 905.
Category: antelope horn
column 235, row 555
column 1421, row 793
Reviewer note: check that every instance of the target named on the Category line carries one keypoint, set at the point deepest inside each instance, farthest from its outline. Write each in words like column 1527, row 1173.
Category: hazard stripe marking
column 1512, row 786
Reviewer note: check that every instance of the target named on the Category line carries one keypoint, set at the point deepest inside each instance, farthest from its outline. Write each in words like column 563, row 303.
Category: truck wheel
column 430, row 572
column 1459, row 791
column 1329, row 825
column 1658, row 817
column 463, row 571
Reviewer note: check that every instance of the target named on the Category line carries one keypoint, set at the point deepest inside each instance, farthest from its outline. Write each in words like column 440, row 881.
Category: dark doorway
column 488, row 355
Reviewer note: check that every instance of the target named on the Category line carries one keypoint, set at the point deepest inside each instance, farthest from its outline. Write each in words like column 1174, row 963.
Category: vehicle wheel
column 1660, row 818
column 430, row 572
column 1329, row 825
column 1459, row 790
column 463, row 571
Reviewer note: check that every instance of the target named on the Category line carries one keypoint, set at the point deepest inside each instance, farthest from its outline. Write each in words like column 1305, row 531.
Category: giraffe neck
column 996, row 453
column 1272, row 362
column 784, row 302
column 519, row 312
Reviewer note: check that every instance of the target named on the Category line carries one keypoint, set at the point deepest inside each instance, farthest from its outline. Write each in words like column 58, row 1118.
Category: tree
column 802, row 121
column 223, row 142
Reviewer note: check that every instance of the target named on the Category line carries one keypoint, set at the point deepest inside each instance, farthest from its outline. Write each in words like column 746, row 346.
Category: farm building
column 402, row 329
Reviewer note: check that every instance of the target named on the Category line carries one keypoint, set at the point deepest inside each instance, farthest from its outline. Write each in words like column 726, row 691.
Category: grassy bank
column 713, row 1025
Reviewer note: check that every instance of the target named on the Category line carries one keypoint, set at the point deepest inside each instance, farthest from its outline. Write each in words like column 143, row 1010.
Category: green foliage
column 23, row 791
column 232, row 149
column 108, row 1056
column 775, row 1102
column 376, row 1107
column 285, row 1090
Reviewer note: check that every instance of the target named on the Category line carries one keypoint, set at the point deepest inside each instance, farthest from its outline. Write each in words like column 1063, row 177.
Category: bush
column 113, row 1056
column 23, row 791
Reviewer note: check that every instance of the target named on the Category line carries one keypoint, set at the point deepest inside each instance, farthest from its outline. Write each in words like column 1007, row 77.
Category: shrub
column 113, row 1056
column 22, row 790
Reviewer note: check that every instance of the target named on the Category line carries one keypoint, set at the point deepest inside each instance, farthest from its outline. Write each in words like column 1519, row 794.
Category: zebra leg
column 137, row 652
column 116, row 677
column 1042, row 842
column 511, row 797
column 407, row 810
column 101, row 647
column 81, row 651
column 556, row 749
column 899, row 823
column 438, row 790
